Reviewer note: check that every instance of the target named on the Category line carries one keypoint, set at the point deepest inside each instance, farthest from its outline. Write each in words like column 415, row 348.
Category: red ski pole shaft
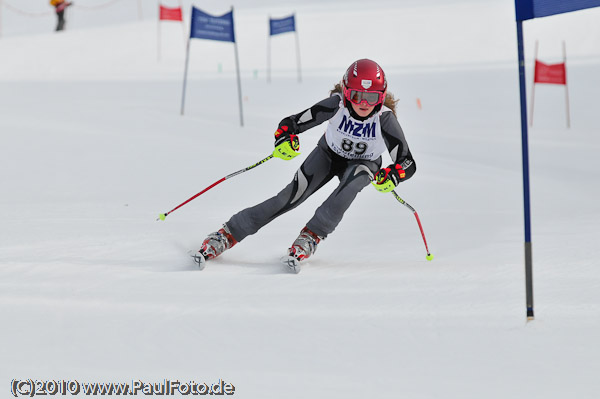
column 429, row 256
column 162, row 216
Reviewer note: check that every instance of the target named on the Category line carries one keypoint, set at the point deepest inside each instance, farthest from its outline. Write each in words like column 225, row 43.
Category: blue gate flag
column 529, row 9
column 524, row 10
column 206, row 26
column 282, row 25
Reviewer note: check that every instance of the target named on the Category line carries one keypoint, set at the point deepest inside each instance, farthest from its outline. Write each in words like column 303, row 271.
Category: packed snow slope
column 94, row 289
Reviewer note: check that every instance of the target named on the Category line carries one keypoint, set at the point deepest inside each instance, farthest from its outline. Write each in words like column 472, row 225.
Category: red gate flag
column 170, row 14
column 550, row 73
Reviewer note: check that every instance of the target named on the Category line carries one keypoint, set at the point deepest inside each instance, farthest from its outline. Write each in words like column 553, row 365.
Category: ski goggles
column 357, row 97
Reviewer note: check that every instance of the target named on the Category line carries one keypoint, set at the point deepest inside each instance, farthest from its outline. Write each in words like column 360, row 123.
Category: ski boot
column 304, row 246
column 214, row 245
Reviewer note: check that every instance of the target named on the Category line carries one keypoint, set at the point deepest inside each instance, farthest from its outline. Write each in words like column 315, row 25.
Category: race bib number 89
column 357, row 148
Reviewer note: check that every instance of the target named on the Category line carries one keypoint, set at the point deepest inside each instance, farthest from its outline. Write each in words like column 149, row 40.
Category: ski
column 292, row 263
column 198, row 259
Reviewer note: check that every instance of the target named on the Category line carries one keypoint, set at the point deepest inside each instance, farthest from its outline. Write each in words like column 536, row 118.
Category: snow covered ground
column 93, row 288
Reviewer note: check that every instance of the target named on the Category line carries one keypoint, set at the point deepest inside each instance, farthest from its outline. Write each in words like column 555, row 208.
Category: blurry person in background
column 60, row 6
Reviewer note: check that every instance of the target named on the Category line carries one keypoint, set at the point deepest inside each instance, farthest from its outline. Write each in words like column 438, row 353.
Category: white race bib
column 354, row 139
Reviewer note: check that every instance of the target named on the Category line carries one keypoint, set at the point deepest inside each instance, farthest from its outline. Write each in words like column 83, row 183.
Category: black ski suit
column 346, row 157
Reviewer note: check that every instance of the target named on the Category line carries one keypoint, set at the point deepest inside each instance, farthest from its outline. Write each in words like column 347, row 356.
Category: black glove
column 282, row 134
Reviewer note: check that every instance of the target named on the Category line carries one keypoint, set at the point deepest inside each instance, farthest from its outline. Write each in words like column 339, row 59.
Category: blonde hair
column 390, row 101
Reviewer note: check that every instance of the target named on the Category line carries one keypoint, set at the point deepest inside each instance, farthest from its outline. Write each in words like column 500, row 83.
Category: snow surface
column 93, row 288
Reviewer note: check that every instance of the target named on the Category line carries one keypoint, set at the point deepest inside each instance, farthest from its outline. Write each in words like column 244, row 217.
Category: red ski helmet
column 364, row 81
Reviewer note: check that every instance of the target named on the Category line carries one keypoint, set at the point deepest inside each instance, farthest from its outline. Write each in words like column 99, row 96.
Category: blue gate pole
column 525, row 155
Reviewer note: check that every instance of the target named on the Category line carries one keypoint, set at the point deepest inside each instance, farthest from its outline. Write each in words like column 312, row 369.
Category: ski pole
column 429, row 255
column 162, row 216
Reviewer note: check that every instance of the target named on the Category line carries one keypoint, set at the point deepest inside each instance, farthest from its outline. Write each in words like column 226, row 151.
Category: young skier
column 362, row 125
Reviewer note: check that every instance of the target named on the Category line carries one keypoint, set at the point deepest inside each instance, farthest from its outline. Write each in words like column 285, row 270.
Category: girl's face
column 363, row 110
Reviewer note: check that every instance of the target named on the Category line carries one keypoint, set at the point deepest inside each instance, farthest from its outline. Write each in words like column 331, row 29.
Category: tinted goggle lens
column 371, row 97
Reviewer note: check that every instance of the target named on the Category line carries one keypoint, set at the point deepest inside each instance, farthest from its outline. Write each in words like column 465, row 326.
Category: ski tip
column 198, row 259
column 292, row 263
